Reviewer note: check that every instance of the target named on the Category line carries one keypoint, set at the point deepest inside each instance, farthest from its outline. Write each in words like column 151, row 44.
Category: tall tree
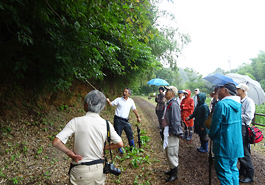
column 54, row 42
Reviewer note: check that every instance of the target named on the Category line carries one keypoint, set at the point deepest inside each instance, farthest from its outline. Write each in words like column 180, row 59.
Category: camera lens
column 116, row 171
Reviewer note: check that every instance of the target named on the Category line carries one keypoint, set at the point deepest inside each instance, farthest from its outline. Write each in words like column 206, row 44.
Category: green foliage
column 219, row 70
column 255, row 70
column 62, row 107
column 196, row 81
column 260, row 109
column 5, row 129
column 53, row 42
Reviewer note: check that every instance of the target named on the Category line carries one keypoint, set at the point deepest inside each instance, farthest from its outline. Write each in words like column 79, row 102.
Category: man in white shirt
column 247, row 113
column 90, row 133
column 180, row 96
column 121, row 121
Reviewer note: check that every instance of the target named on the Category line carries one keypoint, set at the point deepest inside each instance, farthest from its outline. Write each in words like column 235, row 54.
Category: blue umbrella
column 219, row 79
column 157, row 82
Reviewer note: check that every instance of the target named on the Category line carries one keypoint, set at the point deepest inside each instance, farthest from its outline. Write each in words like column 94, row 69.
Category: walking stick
column 139, row 138
column 210, row 163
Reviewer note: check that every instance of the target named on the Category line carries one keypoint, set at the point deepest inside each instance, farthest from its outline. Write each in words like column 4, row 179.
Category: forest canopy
column 54, row 42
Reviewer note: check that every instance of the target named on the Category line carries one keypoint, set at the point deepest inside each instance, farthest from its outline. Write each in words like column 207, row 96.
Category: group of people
column 232, row 113
column 232, row 110
column 90, row 135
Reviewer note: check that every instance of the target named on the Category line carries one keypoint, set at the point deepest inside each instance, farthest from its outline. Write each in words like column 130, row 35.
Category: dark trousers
column 246, row 165
column 121, row 124
column 204, row 138
column 159, row 114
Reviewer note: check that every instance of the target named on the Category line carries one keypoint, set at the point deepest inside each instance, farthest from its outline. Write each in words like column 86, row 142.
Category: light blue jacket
column 226, row 129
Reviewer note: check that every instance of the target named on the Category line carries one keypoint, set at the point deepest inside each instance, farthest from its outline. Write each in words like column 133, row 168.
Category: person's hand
column 202, row 128
column 107, row 100
column 75, row 157
column 138, row 119
column 187, row 118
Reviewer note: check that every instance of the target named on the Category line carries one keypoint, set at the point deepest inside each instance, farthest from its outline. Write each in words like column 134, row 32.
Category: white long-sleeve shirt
column 248, row 110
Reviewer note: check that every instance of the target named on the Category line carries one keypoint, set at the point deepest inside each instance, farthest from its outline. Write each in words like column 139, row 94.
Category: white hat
column 173, row 88
column 242, row 86
column 185, row 92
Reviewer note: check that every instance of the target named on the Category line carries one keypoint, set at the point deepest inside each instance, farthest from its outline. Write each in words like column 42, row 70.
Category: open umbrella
column 157, row 82
column 255, row 91
column 219, row 79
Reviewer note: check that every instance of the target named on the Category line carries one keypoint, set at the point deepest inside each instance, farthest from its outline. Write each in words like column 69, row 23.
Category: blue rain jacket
column 226, row 129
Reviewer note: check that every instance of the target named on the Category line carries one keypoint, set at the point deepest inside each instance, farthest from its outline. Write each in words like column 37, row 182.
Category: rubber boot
column 120, row 150
column 185, row 136
column 173, row 175
column 131, row 143
column 190, row 136
column 169, row 172
column 205, row 148
column 201, row 146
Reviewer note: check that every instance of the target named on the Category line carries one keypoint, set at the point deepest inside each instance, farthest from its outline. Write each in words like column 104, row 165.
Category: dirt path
column 27, row 156
column 193, row 166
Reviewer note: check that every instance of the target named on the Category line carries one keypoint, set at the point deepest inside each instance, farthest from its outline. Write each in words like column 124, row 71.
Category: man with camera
column 121, row 121
column 90, row 133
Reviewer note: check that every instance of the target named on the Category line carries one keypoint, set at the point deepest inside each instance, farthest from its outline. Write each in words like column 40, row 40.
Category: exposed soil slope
column 27, row 156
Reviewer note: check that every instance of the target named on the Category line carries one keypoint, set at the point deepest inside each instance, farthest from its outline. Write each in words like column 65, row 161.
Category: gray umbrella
column 255, row 91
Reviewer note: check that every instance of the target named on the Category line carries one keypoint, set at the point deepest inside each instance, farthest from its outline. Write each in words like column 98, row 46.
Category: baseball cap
column 231, row 87
column 180, row 91
column 173, row 88
column 185, row 92
column 196, row 89
column 242, row 86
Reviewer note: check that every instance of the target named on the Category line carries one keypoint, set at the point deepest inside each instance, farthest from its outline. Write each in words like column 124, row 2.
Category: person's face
column 185, row 94
column 198, row 98
column 196, row 92
column 240, row 92
column 126, row 93
column 169, row 94
column 161, row 91
column 215, row 96
column 180, row 95
column 221, row 92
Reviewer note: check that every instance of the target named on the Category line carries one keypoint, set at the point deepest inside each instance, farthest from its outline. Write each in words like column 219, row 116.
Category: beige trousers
column 172, row 151
column 87, row 175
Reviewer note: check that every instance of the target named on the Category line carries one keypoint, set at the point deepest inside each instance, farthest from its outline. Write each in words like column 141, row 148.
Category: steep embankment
column 27, row 156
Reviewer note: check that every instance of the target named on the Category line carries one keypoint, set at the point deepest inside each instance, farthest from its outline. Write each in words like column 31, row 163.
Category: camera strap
column 108, row 138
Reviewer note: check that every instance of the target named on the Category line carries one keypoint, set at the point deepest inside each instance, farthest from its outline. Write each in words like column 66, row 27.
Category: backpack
column 255, row 135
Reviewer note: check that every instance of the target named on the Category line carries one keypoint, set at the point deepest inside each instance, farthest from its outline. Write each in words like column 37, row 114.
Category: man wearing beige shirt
column 90, row 133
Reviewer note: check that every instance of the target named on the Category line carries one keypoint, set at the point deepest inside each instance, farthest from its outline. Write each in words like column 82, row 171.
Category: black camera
column 110, row 168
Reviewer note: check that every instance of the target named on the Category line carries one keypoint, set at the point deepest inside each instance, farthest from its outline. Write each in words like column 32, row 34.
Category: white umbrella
column 255, row 91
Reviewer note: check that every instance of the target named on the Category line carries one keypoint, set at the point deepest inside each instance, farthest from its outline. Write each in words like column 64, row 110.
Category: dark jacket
column 201, row 113
column 160, row 101
column 174, row 117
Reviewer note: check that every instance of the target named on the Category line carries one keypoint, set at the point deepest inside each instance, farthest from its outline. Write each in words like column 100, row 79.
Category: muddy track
column 193, row 166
